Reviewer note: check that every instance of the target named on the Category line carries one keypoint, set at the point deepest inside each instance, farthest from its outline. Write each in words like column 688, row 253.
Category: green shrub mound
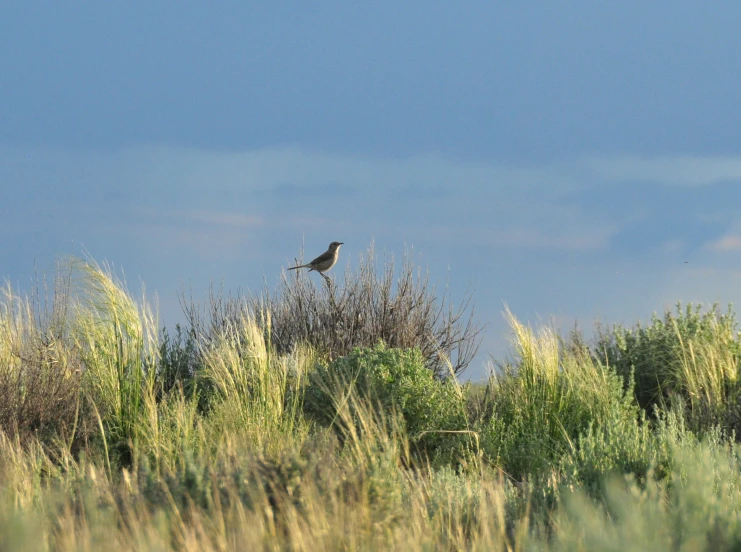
column 396, row 381
column 538, row 407
column 688, row 358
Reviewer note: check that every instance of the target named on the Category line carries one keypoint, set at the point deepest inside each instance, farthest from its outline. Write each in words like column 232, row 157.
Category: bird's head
column 334, row 246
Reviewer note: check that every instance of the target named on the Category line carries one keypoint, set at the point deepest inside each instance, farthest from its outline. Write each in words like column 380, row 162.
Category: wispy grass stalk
column 118, row 341
column 258, row 392
column 706, row 368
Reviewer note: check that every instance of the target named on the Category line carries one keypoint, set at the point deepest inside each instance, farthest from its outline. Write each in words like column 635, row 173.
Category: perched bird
column 325, row 261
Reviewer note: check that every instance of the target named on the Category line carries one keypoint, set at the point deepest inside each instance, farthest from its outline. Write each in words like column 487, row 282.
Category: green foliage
column 631, row 446
column 118, row 343
column 698, row 507
column 203, row 440
column 536, row 409
column 252, row 386
column 179, row 361
column 689, row 356
column 396, row 380
column 617, row 445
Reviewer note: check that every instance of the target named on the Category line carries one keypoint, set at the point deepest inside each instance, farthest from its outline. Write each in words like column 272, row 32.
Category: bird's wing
column 327, row 255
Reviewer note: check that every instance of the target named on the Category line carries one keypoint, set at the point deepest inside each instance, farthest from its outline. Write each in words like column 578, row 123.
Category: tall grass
column 696, row 508
column 539, row 404
column 258, row 391
column 114, row 436
column 355, row 505
column 689, row 357
column 118, row 343
column 706, row 370
column 40, row 370
column 357, row 497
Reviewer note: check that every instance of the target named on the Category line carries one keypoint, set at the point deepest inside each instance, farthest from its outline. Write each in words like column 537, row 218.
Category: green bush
column 688, row 356
column 635, row 447
column 697, row 506
column 617, row 445
column 396, row 381
column 537, row 407
column 179, row 362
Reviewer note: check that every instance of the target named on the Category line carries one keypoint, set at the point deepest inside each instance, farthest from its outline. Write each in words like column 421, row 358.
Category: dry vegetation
column 400, row 308
column 318, row 418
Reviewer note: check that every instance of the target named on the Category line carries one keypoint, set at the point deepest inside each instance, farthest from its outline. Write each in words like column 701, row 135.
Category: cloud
column 673, row 246
column 729, row 242
column 303, row 191
column 589, row 204
column 586, row 238
column 672, row 170
column 217, row 218
column 530, row 238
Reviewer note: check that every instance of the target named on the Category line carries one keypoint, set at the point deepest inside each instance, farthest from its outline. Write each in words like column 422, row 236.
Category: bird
column 325, row 261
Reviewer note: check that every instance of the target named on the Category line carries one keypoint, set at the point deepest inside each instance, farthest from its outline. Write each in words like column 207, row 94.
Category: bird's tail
column 295, row 267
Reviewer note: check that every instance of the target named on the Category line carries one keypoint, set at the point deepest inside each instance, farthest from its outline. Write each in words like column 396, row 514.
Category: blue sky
column 574, row 160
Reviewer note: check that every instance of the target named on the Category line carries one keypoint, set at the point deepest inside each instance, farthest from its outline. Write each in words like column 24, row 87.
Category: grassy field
column 326, row 418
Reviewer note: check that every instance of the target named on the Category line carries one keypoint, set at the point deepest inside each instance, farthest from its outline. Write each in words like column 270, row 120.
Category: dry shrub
column 40, row 372
column 403, row 310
